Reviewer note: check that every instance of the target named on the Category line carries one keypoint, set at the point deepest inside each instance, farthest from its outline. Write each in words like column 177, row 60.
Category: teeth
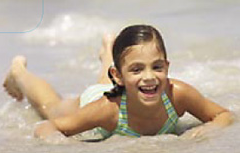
column 148, row 88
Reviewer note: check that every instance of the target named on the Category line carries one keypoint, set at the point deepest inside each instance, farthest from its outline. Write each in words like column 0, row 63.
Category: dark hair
column 132, row 35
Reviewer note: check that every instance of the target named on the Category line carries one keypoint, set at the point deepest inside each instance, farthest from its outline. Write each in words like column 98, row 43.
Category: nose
column 148, row 75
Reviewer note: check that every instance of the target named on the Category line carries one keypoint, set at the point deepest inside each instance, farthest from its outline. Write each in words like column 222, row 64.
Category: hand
column 201, row 132
column 44, row 129
column 47, row 131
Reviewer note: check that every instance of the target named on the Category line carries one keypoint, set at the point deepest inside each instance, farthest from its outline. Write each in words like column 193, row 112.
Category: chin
column 150, row 100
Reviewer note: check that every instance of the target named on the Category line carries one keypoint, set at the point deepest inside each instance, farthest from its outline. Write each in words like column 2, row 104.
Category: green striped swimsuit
column 96, row 91
column 124, row 129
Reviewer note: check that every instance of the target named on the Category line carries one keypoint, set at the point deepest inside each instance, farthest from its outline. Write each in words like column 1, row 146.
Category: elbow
column 230, row 117
column 224, row 118
column 65, row 126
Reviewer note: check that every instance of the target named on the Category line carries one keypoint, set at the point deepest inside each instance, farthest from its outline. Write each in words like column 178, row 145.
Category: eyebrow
column 136, row 63
column 160, row 61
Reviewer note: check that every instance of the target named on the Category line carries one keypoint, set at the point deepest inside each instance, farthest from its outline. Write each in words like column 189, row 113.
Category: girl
column 141, row 101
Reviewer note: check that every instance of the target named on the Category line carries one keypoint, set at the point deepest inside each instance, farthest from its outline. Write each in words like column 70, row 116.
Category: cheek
column 130, row 80
column 162, row 77
column 163, row 74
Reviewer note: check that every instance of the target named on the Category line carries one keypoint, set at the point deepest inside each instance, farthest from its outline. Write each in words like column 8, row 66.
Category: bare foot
column 105, row 56
column 106, row 49
column 18, row 65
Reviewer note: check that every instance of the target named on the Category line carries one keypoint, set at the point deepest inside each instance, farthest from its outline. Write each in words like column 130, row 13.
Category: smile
column 148, row 89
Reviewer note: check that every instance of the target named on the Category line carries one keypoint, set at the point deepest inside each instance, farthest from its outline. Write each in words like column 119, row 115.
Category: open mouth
column 148, row 89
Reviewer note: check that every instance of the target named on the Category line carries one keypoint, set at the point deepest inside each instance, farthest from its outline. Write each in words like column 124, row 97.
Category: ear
column 167, row 64
column 116, row 76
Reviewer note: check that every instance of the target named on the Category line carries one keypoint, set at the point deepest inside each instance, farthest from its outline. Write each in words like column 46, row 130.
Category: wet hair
column 130, row 36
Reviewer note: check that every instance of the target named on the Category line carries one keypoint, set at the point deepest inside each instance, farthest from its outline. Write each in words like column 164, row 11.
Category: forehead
column 146, row 52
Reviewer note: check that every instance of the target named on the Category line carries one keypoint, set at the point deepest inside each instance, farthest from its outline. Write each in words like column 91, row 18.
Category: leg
column 20, row 82
column 106, row 58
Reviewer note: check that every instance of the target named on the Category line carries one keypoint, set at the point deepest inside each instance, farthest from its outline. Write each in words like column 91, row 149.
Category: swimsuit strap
column 170, row 124
column 124, row 129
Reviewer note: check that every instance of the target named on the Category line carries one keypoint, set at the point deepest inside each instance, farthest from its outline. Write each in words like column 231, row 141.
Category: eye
column 158, row 67
column 136, row 70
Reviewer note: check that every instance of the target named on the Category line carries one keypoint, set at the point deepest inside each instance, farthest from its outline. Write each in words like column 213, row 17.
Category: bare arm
column 200, row 107
column 100, row 113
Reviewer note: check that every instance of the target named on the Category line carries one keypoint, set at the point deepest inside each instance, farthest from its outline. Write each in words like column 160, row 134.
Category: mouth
column 149, row 90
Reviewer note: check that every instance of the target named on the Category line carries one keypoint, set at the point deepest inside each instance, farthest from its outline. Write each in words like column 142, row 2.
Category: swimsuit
column 96, row 91
column 168, row 126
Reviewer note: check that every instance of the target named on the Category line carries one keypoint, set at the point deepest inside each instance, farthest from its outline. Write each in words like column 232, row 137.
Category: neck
column 141, row 111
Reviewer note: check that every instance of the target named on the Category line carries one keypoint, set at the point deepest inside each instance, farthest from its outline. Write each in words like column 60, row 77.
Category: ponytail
column 117, row 89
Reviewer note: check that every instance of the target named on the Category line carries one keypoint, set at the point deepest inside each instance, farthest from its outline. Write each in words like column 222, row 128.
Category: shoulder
column 192, row 101
column 182, row 94
column 108, row 109
column 182, row 89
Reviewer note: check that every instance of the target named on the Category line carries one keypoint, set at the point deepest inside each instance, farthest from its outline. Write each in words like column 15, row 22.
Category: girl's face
column 144, row 73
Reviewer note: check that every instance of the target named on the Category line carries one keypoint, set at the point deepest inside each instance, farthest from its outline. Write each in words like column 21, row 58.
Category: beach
column 61, row 40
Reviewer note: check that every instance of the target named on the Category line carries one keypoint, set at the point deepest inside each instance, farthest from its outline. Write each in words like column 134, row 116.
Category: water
column 202, row 39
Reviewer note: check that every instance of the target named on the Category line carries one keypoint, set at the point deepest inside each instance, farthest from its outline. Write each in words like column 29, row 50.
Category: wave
column 71, row 29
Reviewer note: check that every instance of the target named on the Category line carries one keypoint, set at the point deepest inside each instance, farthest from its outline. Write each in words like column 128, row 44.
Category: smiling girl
column 141, row 100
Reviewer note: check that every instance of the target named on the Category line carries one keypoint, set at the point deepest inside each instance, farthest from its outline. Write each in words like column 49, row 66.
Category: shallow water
column 202, row 39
